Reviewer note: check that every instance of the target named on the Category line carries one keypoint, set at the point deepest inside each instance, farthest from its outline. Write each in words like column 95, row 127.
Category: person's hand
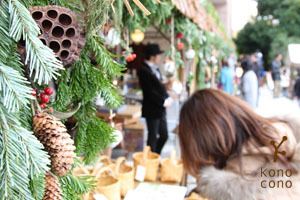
column 168, row 102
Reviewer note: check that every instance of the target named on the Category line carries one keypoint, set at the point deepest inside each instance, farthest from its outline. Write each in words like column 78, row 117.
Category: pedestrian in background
column 232, row 62
column 226, row 78
column 276, row 64
column 296, row 92
column 249, row 84
column 285, row 82
column 155, row 98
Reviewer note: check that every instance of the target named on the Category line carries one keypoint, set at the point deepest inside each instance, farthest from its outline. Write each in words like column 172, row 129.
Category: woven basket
column 125, row 174
column 171, row 169
column 103, row 161
column 107, row 184
column 149, row 160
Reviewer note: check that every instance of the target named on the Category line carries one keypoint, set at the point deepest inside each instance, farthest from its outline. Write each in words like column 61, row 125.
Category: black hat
column 152, row 50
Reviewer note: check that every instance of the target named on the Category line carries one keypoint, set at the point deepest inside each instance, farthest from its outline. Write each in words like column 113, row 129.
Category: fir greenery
column 23, row 162
column 73, row 187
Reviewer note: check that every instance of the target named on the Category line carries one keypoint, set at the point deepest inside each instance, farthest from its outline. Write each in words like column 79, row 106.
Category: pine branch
column 15, row 92
column 22, row 158
column 64, row 94
column 92, row 137
column 8, row 54
column 104, row 58
column 73, row 187
column 97, row 15
column 40, row 59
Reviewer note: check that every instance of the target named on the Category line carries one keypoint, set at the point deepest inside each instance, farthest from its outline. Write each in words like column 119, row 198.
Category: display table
column 129, row 115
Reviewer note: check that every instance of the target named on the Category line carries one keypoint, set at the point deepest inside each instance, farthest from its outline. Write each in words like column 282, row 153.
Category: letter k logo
column 284, row 138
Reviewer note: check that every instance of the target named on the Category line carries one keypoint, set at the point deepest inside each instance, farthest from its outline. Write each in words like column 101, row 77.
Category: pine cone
column 57, row 142
column 52, row 188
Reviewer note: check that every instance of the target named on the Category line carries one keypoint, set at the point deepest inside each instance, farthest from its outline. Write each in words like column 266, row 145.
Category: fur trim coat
column 257, row 180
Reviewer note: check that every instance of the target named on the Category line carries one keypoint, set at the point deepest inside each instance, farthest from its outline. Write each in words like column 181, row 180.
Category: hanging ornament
column 179, row 36
column 190, row 54
column 52, row 133
column 169, row 21
column 112, row 37
column 52, row 188
column 176, row 87
column 169, row 67
column 130, row 57
column 180, row 46
column 60, row 31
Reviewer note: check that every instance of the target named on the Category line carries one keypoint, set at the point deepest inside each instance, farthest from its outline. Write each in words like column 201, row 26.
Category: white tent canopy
column 294, row 54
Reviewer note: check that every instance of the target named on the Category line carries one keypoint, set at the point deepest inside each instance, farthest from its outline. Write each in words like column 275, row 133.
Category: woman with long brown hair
column 231, row 150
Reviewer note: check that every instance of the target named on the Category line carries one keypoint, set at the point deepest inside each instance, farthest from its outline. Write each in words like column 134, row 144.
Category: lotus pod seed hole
column 66, row 43
column 21, row 43
column 52, row 14
column 65, row 19
column 43, row 41
column 70, row 32
column 37, row 15
column 58, row 32
column 64, row 54
column 54, row 46
column 46, row 24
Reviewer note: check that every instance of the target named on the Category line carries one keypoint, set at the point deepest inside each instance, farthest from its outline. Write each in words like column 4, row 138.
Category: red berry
column 43, row 105
column 44, row 98
column 134, row 56
column 33, row 92
column 128, row 59
column 168, row 21
column 180, row 46
column 179, row 35
column 48, row 91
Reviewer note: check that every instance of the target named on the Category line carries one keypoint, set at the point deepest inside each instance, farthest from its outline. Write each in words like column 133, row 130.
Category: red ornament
column 180, row 46
column 48, row 91
column 179, row 36
column 130, row 57
column 168, row 21
column 43, row 105
column 44, row 98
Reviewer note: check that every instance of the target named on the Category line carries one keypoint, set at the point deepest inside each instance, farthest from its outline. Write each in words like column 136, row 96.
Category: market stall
column 58, row 57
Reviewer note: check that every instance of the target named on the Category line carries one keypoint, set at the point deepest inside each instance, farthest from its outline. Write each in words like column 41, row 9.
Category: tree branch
column 162, row 34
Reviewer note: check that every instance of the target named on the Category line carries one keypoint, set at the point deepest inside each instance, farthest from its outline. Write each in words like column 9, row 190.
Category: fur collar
column 217, row 184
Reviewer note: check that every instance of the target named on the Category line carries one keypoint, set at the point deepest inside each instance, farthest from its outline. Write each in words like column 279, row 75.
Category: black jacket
column 154, row 93
column 297, row 88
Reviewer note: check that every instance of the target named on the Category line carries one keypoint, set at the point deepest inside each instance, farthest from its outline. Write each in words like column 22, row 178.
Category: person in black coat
column 155, row 99
column 296, row 91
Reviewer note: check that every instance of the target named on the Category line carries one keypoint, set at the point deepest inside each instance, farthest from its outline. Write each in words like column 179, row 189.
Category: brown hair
column 224, row 62
column 215, row 125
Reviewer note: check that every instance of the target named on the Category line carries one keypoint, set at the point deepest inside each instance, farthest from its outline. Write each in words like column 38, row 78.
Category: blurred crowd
column 244, row 76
